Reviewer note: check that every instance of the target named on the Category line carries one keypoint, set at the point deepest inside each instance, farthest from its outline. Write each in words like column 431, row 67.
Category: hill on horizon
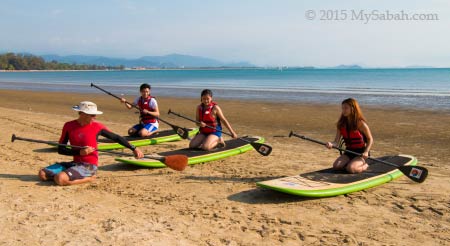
column 167, row 61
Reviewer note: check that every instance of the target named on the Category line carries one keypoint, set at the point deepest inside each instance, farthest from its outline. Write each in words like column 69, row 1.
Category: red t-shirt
column 82, row 136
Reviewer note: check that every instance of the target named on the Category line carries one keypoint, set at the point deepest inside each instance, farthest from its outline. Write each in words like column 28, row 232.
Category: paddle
column 176, row 162
column 261, row 148
column 415, row 173
column 181, row 131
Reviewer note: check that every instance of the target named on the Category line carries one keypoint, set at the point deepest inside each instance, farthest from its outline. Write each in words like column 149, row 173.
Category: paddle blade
column 263, row 149
column 182, row 132
column 415, row 173
column 176, row 162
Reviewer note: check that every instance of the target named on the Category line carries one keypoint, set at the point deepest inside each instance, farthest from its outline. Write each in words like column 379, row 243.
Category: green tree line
column 11, row 61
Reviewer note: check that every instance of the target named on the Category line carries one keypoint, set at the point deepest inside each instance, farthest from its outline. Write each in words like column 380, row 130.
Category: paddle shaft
column 134, row 106
column 345, row 150
column 128, row 154
column 198, row 122
column 261, row 148
column 14, row 137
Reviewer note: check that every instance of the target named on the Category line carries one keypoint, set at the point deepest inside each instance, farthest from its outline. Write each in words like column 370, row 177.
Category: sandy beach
column 218, row 203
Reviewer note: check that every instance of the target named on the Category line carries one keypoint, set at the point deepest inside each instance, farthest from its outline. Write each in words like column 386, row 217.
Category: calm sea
column 411, row 88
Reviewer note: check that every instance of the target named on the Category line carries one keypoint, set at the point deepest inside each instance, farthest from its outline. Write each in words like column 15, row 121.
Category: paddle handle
column 115, row 96
column 14, row 137
column 345, row 150
column 107, row 92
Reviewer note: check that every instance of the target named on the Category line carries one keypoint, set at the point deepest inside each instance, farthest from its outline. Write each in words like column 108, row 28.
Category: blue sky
column 261, row 32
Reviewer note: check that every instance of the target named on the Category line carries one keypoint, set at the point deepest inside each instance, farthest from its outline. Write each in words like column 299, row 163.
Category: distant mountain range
column 184, row 61
column 167, row 61
column 347, row 67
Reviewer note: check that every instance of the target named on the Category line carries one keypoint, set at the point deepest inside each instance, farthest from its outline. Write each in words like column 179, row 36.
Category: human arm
column 119, row 139
column 336, row 140
column 63, row 150
column 127, row 104
column 219, row 114
column 155, row 106
column 364, row 128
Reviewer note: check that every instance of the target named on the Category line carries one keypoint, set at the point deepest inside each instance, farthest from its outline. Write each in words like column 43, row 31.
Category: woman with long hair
column 353, row 129
column 211, row 117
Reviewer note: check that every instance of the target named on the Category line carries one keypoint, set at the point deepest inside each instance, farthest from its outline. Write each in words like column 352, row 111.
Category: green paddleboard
column 196, row 156
column 159, row 137
column 329, row 182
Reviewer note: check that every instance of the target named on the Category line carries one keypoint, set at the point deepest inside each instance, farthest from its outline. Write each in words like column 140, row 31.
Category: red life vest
column 145, row 104
column 205, row 114
column 355, row 140
column 82, row 136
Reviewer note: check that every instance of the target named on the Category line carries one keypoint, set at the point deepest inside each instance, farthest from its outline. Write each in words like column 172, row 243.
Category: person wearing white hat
column 82, row 132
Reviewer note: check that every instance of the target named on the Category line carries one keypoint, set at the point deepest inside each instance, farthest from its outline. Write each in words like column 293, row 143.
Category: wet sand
column 217, row 203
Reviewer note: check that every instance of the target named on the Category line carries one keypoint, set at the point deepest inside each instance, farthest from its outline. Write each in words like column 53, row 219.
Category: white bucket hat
column 87, row 108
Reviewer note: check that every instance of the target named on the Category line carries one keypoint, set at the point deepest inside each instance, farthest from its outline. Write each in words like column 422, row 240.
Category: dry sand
column 217, row 203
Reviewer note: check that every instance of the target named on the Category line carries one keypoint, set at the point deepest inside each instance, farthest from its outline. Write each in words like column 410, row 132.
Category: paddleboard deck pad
column 196, row 156
column 329, row 182
column 156, row 138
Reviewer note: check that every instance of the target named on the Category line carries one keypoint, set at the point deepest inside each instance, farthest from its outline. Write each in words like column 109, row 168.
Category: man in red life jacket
column 209, row 114
column 149, row 113
column 83, row 131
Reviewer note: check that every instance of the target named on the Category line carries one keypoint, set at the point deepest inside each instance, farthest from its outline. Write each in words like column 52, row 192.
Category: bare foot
column 221, row 144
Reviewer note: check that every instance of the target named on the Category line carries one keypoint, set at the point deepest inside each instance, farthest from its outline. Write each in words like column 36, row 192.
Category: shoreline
column 146, row 69
column 239, row 68
column 91, row 93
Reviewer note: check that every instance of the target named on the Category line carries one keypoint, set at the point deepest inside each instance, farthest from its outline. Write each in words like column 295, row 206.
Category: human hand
column 86, row 150
column 330, row 145
column 365, row 154
column 138, row 153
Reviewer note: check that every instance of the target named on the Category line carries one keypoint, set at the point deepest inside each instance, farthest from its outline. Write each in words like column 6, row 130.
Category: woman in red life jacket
column 208, row 113
column 149, row 113
column 352, row 127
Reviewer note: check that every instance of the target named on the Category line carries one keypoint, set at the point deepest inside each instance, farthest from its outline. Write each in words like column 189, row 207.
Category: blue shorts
column 73, row 169
column 150, row 127
column 217, row 133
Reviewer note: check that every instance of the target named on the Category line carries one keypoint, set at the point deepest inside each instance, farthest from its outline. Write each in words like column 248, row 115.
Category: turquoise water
column 413, row 88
